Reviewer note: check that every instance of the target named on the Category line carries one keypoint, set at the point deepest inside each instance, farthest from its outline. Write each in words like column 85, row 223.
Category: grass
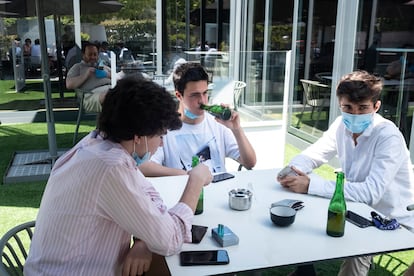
column 20, row 202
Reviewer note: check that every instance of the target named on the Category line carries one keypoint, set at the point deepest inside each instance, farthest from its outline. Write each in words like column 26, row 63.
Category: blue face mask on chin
column 140, row 160
column 143, row 159
column 190, row 115
column 357, row 123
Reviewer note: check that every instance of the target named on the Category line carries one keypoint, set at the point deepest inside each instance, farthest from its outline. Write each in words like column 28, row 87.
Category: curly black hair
column 359, row 86
column 187, row 72
column 136, row 106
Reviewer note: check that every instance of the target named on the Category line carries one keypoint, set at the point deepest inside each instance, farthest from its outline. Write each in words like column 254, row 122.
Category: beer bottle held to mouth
column 223, row 113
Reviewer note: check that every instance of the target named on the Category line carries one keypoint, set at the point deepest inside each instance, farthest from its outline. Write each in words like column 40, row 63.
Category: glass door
column 310, row 102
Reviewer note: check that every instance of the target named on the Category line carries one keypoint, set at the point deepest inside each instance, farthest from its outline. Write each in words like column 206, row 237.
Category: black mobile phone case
column 358, row 220
column 222, row 177
column 198, row 232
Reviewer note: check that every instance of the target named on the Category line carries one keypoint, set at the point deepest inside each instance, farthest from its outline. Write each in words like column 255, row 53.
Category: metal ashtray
column 240, row 199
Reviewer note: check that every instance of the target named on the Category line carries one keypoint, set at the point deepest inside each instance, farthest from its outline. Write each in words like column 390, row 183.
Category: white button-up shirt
column 378, row 169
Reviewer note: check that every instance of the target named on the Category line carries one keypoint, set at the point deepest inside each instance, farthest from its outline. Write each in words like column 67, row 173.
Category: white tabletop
column 263, row 244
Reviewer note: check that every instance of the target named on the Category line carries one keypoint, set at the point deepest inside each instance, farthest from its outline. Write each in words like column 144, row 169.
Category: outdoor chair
column 324, row 77
column 316, row 95
column 14, row 247
column 387, row 262
column 80, row 96
column 237, row 90
column 160, row 79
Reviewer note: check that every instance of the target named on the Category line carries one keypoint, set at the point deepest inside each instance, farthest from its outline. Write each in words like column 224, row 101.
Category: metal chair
column 80, row 96
column 316, row 95
column 14, row 247
column 160, row 79
column 238, row 88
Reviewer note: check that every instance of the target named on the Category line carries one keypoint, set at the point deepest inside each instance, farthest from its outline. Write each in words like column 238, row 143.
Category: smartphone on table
column 286, row 171
column 358, row 220
column 204, row 257
column 221, row 177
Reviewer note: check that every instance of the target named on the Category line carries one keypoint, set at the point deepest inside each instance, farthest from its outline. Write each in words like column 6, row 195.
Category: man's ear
column 137, row 139
column 377, row 105
column 178, row 95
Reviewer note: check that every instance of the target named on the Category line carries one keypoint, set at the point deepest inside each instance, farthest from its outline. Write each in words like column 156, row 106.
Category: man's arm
column 152, row 169
column 73, row 82
column 247, row 153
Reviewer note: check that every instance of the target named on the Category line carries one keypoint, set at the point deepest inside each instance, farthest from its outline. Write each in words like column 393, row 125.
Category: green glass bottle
column 223, row 113
column 335, row 226
column 200, row 204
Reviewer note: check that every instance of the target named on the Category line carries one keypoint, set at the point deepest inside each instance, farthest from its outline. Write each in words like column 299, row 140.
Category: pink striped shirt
column 94, row 201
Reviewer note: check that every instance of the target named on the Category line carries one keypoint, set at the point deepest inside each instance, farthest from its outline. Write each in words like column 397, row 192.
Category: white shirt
column 95, row 199
column 36, row 50
column 209, row 138
column 378, row 169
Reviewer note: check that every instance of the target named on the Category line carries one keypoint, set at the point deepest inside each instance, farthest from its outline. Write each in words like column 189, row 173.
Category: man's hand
column 296, row 183
column 201, row 173
column 138, row 260
column 91, row 71
column 233, row 123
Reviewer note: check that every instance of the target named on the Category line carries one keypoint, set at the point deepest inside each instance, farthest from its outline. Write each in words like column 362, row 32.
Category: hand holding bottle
column 201, row 173
column 198, row 177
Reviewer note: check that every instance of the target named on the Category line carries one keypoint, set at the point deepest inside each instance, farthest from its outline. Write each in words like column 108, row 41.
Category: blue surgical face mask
column 189, row 114
column 357, row 123
column 143, row 159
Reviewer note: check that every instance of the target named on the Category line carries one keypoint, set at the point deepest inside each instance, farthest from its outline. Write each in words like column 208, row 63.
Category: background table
column 264, row 245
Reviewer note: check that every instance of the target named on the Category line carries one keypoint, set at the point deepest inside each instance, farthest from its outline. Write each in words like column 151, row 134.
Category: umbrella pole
column 51, row 132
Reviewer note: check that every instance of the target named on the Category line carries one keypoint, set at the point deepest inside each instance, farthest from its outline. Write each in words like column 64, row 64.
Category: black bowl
column 282, row 215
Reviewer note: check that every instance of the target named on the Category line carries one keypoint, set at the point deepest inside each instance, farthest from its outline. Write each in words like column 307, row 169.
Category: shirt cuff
column 316, row 185
column 186, row 215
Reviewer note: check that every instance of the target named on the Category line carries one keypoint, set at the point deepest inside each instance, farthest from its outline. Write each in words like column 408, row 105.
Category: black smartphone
column 222, row 176
column 204, row 257
column 358, row 220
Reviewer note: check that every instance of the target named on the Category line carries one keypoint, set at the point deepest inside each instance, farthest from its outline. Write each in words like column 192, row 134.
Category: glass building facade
column 326, row 39
column 259, row 41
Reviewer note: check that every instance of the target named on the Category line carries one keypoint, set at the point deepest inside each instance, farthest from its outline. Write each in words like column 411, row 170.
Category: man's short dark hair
column 136, row 106
column 359, row 86
column 187, row 72
column 86, row 44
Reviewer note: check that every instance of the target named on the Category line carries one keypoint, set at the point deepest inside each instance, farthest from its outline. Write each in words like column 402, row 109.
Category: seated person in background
column 96, row 198
column 201, row 134
column 373, row 156
column 27, row 47
column 393, row 70
column 35, row 51
column 83, row 75
column 104, row 53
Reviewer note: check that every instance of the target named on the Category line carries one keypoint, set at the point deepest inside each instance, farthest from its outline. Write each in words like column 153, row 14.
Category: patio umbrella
column 27, row 8
column 42, row 8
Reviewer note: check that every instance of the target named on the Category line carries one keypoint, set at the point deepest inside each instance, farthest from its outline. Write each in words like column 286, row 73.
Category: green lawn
column 20, row 202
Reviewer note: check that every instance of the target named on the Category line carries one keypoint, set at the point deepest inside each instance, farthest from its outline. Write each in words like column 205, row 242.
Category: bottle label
column 336, row 224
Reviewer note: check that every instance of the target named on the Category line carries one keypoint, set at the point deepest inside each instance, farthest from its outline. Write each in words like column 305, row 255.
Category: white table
column 264, row 245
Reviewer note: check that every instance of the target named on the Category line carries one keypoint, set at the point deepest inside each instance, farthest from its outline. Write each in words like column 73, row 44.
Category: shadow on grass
column 22, row 194
column 15, row 139
column 38, row 86
column 310, row 121
column 32, row 96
